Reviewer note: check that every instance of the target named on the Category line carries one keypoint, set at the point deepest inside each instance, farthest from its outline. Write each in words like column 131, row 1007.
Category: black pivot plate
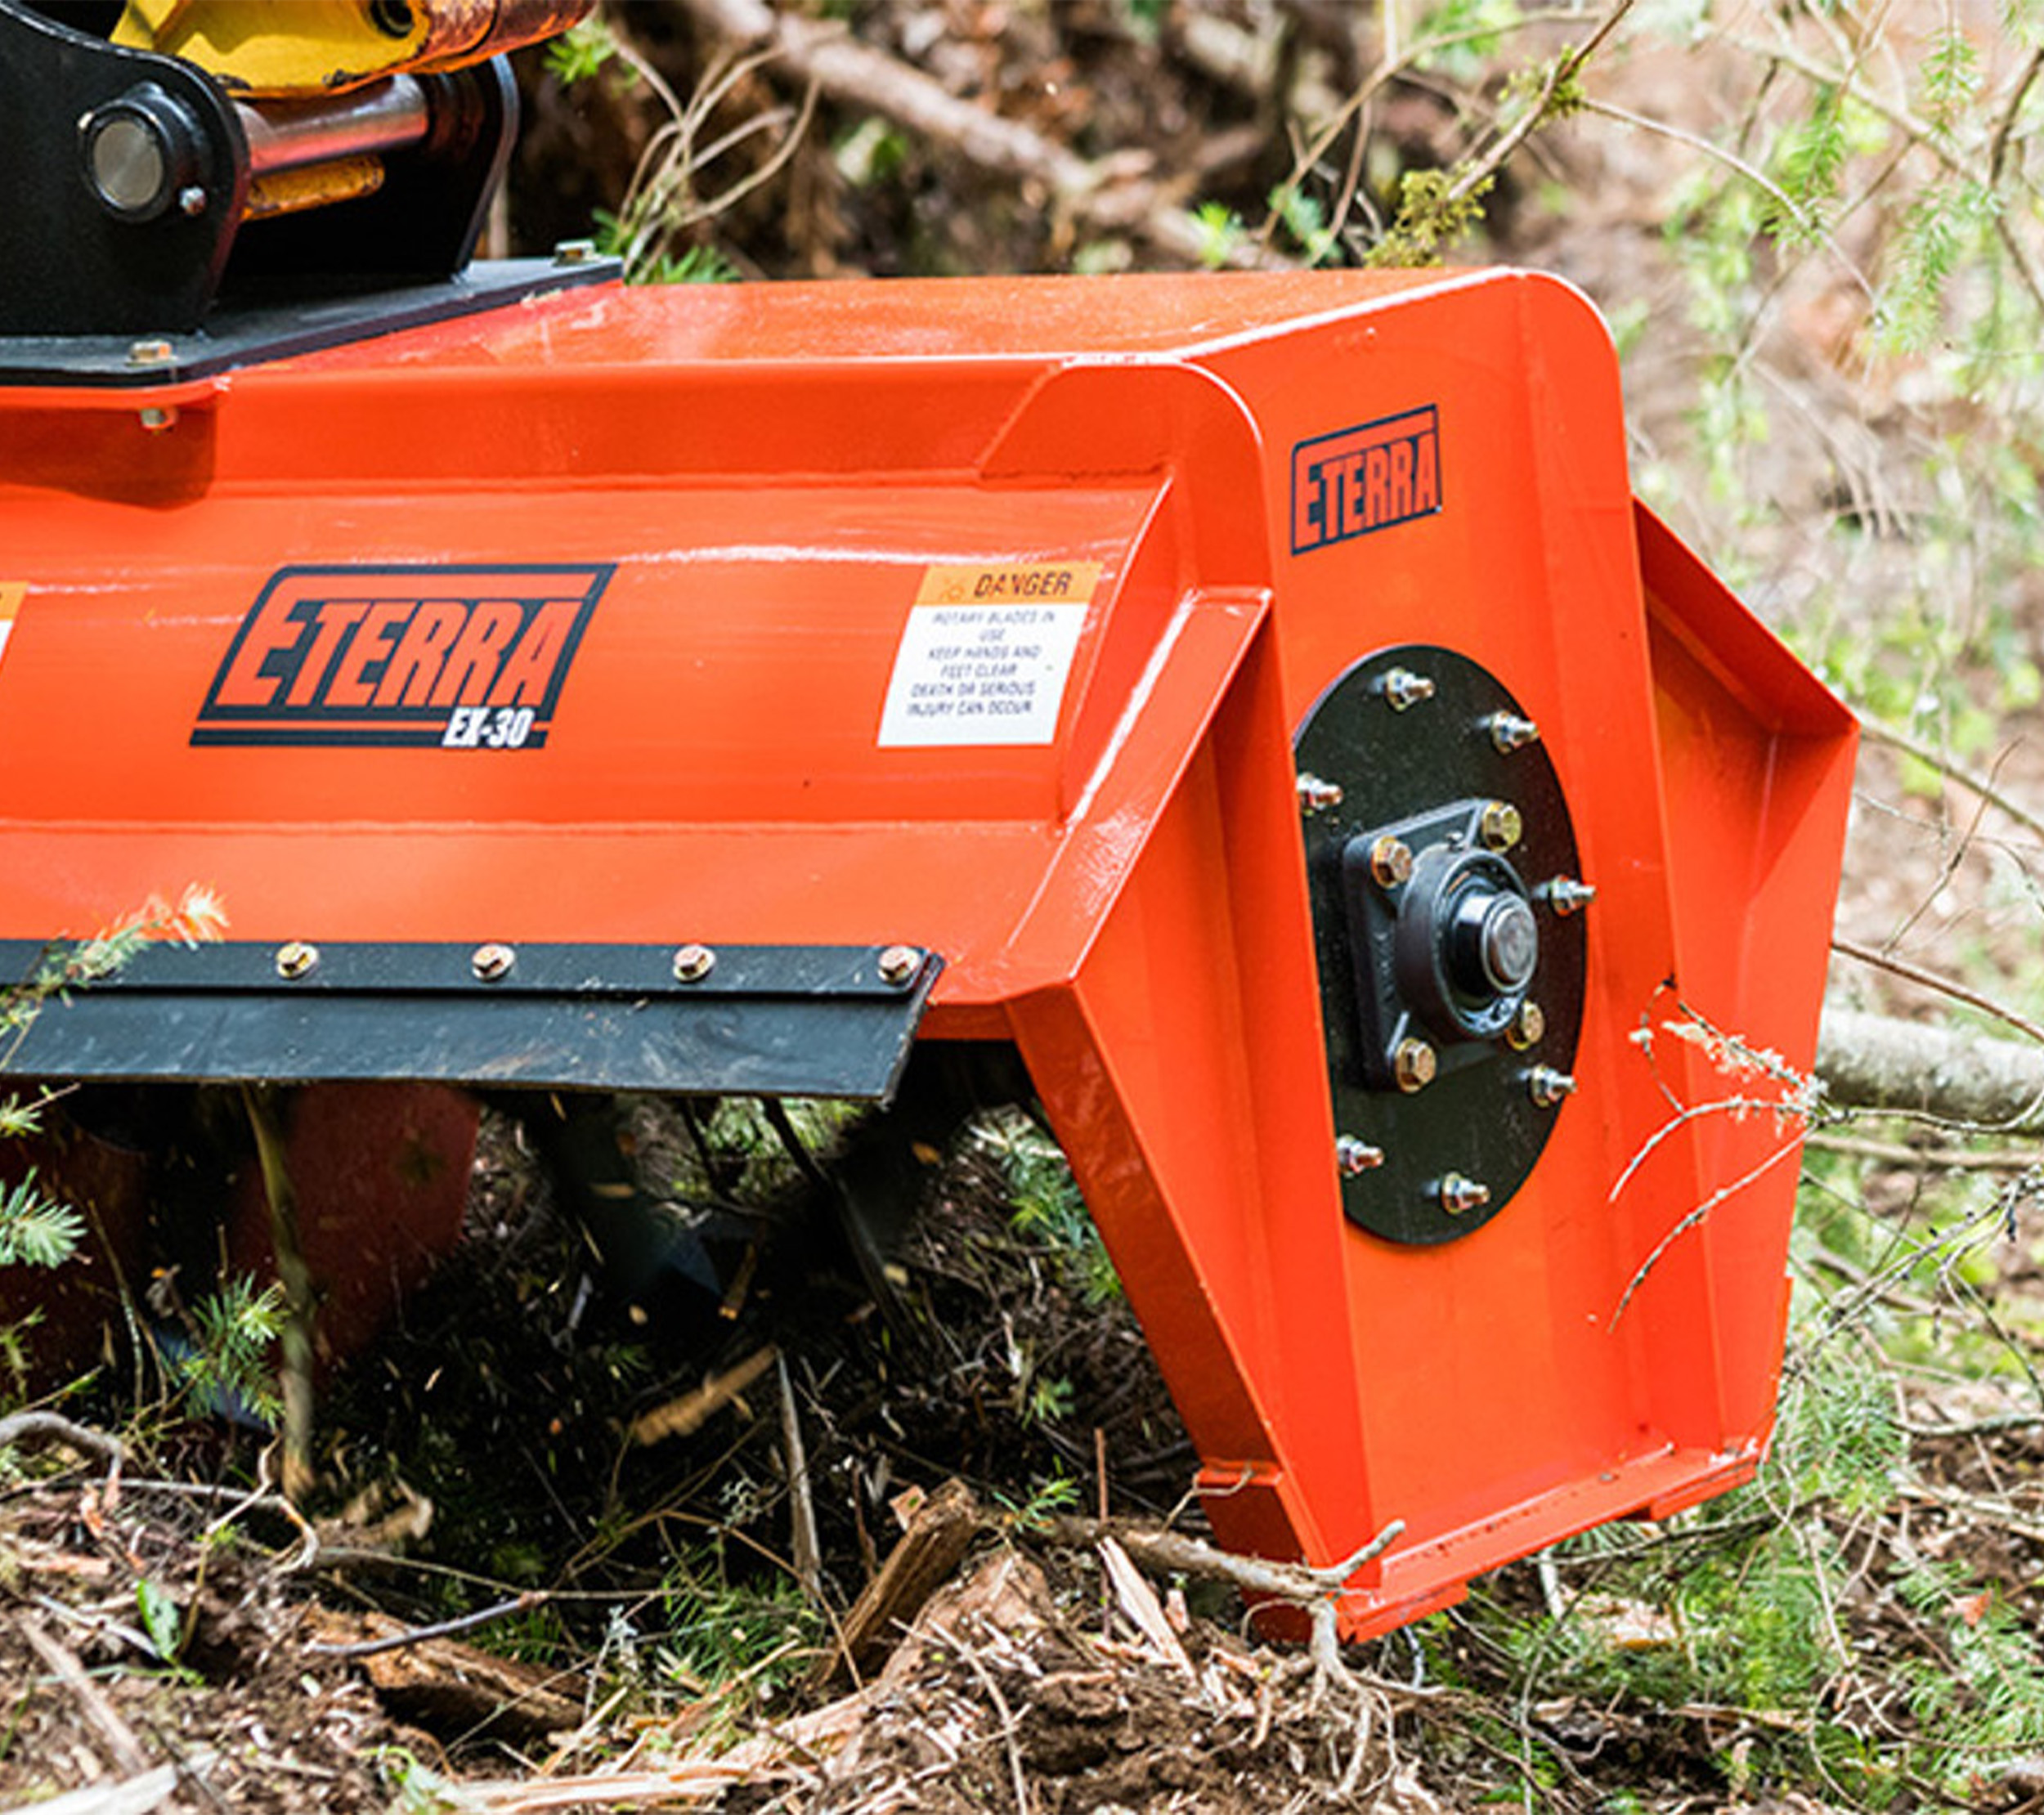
column 1451, row 968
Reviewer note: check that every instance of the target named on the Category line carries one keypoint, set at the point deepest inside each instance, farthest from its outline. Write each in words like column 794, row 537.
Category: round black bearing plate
column 1422, row 773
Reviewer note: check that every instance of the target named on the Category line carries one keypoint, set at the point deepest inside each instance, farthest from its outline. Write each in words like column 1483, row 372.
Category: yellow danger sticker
column 1016, row 583
column 12, row 594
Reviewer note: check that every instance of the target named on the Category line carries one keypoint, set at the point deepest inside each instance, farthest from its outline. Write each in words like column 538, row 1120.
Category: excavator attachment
column 1256, row 701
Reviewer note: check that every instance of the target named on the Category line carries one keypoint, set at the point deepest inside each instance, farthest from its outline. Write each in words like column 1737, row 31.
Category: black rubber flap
column 758, row 1021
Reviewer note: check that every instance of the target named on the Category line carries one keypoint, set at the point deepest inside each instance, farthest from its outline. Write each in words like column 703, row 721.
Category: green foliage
column 582, row 51
column 1432, row 215
column 1045, row 1205
column 233, row 1331
column 35, row 1230
column 1222, row 233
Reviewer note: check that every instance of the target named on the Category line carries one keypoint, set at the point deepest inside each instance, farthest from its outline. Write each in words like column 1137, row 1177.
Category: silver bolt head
column 1354, row 1156
column 1509, row 732
column 574, row 252
column 297, row 958
column 1315, row 795
column 158, row 418
column 692, row 963
column 192, row 199
column 491, row 962
column 1548, row 1086
column 1459, row 1195
column 1391, row 862
column 898, row 964
column 1413, row 1065
column 1566, row 895
column 1500, row 826
column 151, row 352
column 1402, row 688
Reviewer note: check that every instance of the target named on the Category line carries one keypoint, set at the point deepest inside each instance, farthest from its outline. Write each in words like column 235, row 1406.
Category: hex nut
column 692, row 963
column 1548, row 1086
column 1315, row 795
column 1566, row 895
column 1509, row 732
column 297, row 958
column 1527, row 1027
column 1354, row 1157
column 1459, row 1195
column 1413, row 1065
column 898, row 964
column 1391, row 862
column 1500, row 826
column 1402, row 688
column 492, row 963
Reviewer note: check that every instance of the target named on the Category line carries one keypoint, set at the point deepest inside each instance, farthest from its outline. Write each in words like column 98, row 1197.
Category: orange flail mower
column 1256, row 702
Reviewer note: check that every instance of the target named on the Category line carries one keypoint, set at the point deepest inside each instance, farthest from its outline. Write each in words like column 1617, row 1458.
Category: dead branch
column 420, row 1635
column 1879, row 1062
column 692, row 1411
column 135, row 1796
column 859, row 76
column 100, row 1713
column 301, row 1298
column 47, row 1427
column 937, row 1538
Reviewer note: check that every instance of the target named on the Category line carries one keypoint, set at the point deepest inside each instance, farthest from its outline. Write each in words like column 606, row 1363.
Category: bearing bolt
column 1547, row 1086
column 297, row 959
column 492, row 963
column 1413, row 1065
column 1509, row 732
column 1527, row 1027
column 1391, row 862
column 898, row 964
column 1458, row 1195
column 1315, row 795
column 1354, row 1156
column 1566, row 895
column 692, row 963
column 1500, row 826
column 1402, row 687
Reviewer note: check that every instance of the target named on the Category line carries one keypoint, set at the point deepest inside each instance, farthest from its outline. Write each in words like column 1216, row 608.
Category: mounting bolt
column 898, row 964
column 1413, row 1065
column 574, row 252
column 151, row 352
column 491, row 963
column 1565, row 895
column 1547, row 1086
column 1527, row 1027
column 1391, row 862
column 1500, row 826
column 1315, row 794
column 1459, row 1195
column 1402, row 687
column 692, row 963
column 1509, row 732
column 1354, row 1156
column 192, row 199
column 158, row 418
column 297, row 959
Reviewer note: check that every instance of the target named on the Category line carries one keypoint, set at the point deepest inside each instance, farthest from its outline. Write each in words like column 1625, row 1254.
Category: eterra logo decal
column 454, row 658
column 1369, row 477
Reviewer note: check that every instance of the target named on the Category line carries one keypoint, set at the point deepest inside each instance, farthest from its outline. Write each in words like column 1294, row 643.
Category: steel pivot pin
column 1315, row 795
column 1547, row 1086
column 491, row 963
column 1354, row 1156
column 899, row 964
column 692, row 963
column 1459, row 1195
column 1402, row 687
column 297, row 959
column 1413, row 1064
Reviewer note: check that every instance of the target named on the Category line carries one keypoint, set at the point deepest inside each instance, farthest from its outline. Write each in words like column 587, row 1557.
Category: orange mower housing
column 1258, row 701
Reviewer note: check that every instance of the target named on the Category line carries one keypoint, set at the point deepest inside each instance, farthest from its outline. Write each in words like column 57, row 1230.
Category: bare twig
column 47, row 1427
column 1945, row 986
column 56, row 1657
column 806, row 1551
column 419, row 1635
column 300, row 1300
column 1983, row 787
column 692, row 1411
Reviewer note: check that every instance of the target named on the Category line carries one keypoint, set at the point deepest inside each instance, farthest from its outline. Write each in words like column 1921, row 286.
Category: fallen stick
column 136, row 1795
column 419, row 1635
column 938, row 1535
column 692, row 1411
column 119, row 1736
column 20, row 1427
